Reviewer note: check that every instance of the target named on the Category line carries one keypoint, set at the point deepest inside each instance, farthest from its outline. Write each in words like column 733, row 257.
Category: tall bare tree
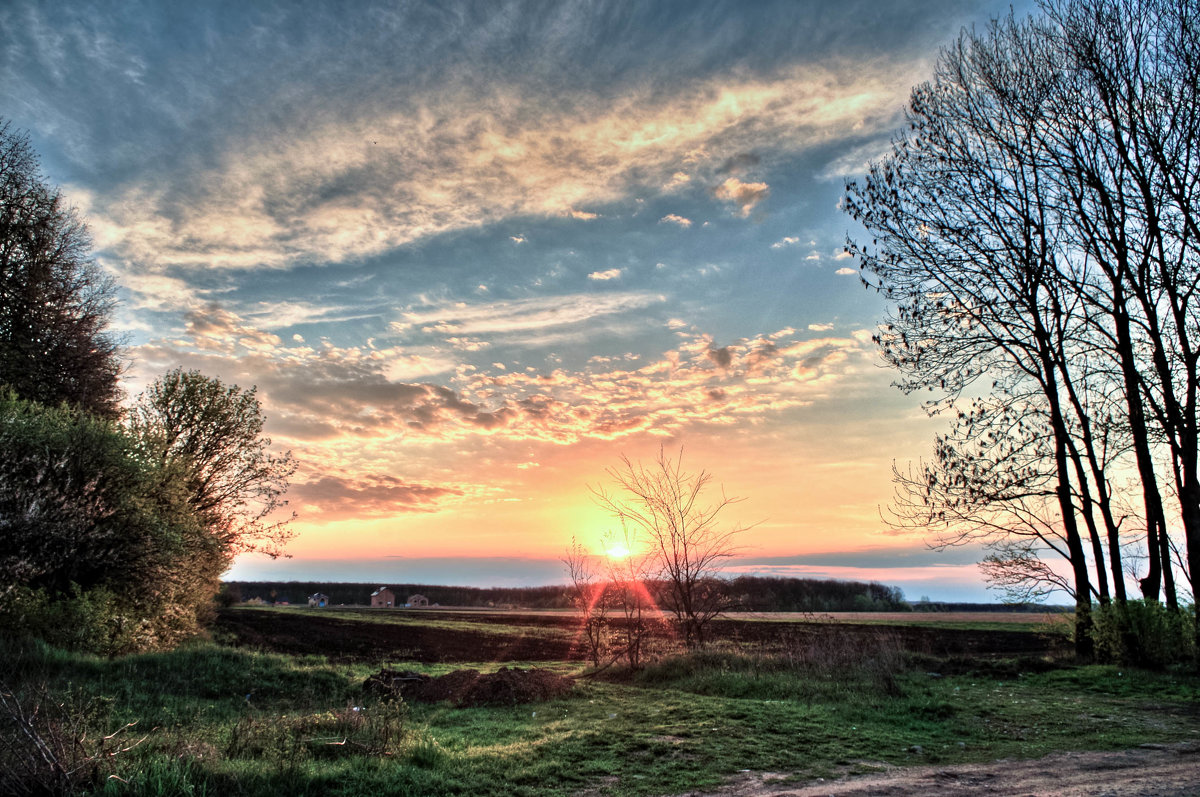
column 1036, row 231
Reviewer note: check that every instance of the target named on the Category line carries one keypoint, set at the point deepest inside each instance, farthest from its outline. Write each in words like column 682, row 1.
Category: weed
column 48, row 745
column 424, row 751
column 376, row 730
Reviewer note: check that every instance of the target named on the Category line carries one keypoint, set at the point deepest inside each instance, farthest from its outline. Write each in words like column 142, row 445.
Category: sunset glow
column 472, row 254
column 617, row 552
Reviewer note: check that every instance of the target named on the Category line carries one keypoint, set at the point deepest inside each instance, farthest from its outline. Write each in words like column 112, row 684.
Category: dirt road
column 1148, row 771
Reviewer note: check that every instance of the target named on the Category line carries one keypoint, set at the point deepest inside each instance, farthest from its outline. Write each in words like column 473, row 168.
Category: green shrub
column 99, row 548
column 78, row 620
column 1144, row 633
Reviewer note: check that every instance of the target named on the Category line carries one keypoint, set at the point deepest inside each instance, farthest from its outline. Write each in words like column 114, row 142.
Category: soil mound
column 463, row 688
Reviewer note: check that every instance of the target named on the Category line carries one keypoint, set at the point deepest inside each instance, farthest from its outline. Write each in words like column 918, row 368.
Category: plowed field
column 448, row 636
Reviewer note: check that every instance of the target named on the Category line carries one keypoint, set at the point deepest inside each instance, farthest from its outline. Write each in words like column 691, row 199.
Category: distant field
column 463, row 634
column 1029, row 621
column 966, row 620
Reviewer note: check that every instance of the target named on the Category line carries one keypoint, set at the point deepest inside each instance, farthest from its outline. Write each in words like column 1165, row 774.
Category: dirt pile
column 464, row 688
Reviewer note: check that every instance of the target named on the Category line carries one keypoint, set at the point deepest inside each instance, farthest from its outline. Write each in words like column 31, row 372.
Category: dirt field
column 1149, row 771
column 344, row 635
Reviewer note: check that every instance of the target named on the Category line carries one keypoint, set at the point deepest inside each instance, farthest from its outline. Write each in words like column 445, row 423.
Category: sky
column 471, row 254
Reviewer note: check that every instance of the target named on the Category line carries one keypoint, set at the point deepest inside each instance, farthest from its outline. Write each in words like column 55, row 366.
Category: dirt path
column 1148, row 771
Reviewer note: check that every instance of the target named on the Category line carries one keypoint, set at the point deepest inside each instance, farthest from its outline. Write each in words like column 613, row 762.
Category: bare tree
column 968, row 246
column 590, row 601
column 667, row 505
column 1036, row 230
column 629, row 574
column 55, row 302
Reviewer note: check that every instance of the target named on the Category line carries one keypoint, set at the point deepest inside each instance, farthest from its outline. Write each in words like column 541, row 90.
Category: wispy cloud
column 607, row 274
column 672, row 218
column 522, row 315
column 454, row 157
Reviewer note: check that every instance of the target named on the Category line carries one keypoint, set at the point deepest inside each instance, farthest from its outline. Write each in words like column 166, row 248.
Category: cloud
column 813, row 256
column 857, row 161
column 369, row 495
column 672, row 218
column 331, row 185
column 789, row 240
column 517, row 239
column 820, row 327
column 738, row 164
column 846, row 271
column 678, row 180
column 609, row 274
column 349, row 398
column 582, row 215
column 721, row 357
column 459, row 318
column 745, row 195
column 214, row 328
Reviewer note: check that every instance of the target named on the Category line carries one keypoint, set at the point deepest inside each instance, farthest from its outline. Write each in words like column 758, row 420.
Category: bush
column 99, row 549
column 1144, row 634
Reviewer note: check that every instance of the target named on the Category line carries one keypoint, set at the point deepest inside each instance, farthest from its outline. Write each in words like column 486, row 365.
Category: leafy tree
column 212, row 434
column 688, row 543
column 55, row 302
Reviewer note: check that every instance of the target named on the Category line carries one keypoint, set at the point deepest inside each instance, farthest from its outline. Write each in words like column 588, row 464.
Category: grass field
column 213, row 719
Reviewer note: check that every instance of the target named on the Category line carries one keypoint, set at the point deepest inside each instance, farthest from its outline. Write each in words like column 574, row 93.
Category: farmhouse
column 318, row 600
column 417, row 600
column 383, row 598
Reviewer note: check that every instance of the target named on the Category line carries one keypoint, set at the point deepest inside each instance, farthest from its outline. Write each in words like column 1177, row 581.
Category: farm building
column 417, row 600
column 383, row 597
column 319, row 600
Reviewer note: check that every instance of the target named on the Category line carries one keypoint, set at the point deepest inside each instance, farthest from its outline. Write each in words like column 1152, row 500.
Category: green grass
column 680, row 725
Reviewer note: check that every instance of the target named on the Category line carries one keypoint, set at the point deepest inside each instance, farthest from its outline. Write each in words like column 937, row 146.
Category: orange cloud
column 745, row 195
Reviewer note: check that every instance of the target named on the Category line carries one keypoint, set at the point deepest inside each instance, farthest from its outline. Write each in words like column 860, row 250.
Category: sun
column 617, row 551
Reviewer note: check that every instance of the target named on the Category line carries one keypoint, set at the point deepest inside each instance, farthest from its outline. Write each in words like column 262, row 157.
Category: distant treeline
column 751, row 593
column 1033, row 608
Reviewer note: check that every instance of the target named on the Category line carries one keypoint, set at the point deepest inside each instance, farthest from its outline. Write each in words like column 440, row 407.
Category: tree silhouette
column 1035, row 231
